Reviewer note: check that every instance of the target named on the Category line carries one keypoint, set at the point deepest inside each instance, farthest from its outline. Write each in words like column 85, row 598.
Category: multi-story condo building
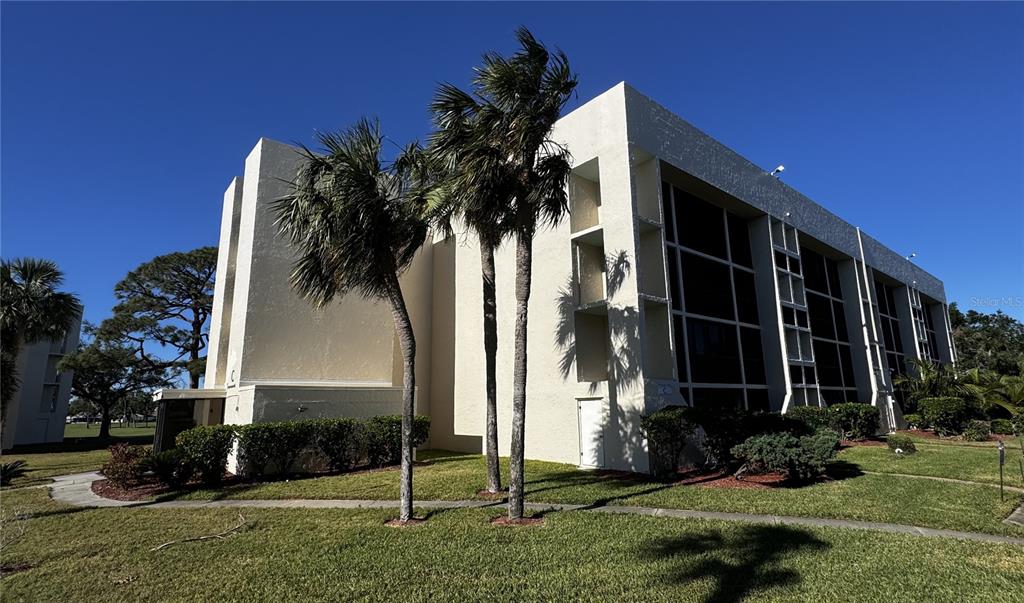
column 684, row 275
column 39, row 409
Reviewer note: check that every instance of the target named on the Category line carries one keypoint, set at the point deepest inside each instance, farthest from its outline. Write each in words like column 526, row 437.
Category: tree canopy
column 993, row 342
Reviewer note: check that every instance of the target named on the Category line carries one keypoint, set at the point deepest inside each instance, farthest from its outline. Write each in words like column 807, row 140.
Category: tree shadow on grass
column 739, row 564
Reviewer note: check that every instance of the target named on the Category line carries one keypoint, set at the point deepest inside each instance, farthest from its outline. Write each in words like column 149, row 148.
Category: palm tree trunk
column 407, row 341
column 490, row 357
column 524, row 275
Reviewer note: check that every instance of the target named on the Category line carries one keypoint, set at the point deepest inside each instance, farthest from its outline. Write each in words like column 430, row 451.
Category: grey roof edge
column 656, row 129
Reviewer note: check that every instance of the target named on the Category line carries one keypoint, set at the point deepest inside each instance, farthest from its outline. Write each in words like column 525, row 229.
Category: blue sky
column 123, row 123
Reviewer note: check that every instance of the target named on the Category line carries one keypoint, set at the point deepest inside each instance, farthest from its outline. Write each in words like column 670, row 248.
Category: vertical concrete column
column 224, row 286
column 943, row 332
column 773, row 340
column 908, row 331
column 858, row 329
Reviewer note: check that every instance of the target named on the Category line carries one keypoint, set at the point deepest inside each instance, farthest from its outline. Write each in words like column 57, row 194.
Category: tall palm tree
column 31, row 309
column 357, row 222
column 934, row 380
column 477, row 188
column 518, row 100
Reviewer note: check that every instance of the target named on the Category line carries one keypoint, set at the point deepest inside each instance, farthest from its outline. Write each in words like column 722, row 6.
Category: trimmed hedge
column 1002, row 426
column 915, row 421
column 667, row 431
column 814, row 417
column 853, row 420
column 977, row 431
column 947, row 416
column 799, row 458
column 724, row 429
column 127, row 465
column 206, row 448
column 262, row 446
column 901, row 444
column 383, row 438
column 342, row 442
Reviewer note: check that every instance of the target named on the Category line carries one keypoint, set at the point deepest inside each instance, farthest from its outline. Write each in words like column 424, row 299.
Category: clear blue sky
column 123, row 123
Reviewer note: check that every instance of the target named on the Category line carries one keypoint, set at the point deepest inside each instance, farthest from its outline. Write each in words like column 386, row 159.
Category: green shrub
column 171, row 468
column 206, row 448
column 915, row 421
column 1018, row 424
column 901, row 444
column 799, row 458
column 854, row 421
column 12, row 470
column 384, row 438
column 977, row 431
column 340, row 440
column 127, row 465
column 814, row 417
column 1002, row 426
column 667, row 431
column 726, row 428
column 262, row 446
column 947, row 416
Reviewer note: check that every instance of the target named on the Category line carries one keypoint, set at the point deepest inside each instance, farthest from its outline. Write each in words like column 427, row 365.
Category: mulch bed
column 723, row 479
column 525, row 521
column 143, row 491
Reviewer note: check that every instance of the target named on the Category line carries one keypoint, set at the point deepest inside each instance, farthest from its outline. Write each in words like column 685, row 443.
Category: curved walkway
column 77, row 490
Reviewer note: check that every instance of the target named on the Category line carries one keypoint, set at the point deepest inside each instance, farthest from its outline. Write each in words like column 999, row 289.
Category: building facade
column 39, row 409
column 683, row 275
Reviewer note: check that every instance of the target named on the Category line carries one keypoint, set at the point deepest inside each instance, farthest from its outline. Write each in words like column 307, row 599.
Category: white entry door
column 592, row 421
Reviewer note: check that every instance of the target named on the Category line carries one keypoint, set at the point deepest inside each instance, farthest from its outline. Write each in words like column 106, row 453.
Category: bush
column 854, row 421
column 799, row 458
column 1018, row 424
column 726, row 428
column 814, row 417
column 1002, row 426
column 206, row 448
column 127, row 465
column 384, row 438
column 171, row 468
column 262, row 446
column 977, row 431
column 947, row 416
column 901, row 444
column 11, row 471
column 667, row 431
column 914, row 421
column 340, row 440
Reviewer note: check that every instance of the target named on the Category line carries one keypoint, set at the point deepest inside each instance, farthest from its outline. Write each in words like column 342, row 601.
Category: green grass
column 80, row 430
column 331, row 555
column 42, row 466
column 970, row 463
column 882, row 498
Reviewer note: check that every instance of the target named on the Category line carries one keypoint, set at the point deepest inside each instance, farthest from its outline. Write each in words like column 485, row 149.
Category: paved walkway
column 77, row 490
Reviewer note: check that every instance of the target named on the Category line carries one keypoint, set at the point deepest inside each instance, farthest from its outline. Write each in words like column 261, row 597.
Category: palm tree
column 31, row 309
column 517, row 102
column 478, row 189
column 356, row 223
column 934, row 380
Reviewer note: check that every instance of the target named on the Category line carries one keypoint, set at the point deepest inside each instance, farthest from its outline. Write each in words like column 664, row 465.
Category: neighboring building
column 685, row 274
column 39, row 409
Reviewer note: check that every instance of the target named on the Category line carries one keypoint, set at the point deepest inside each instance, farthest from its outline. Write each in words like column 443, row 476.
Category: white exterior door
column 592, row 422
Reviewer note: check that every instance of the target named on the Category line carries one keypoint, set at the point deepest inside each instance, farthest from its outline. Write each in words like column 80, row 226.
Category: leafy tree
column 110, row 374
column 993, row 342
column 356, row 223
column 167, row 300
column 934, row 380
column 31, row 309
column 515, row 103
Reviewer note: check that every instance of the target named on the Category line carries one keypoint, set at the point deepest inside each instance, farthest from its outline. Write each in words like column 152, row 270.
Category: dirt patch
column 723, row 479
column 852, row 443
column 143, row 491
column 398, row 523
column 525, row 521
column 7, row 569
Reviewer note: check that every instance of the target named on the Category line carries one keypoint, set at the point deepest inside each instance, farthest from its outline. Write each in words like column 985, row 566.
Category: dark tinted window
column 746, row 296
column 753, row 356
column 796, row 374
column 707, row 287
column 846, row 362
column 677, row 335
column 673, row 278
column 814, row 271
column 826, row 359
column 820, row 310
column 739, row 241
column 757, row 399
column 700, row 225
column 714, row 352
column 788, row 315
column 705, row 397
column 841, row 334
column 832, row 269
column 833, row 396
column 666, row 211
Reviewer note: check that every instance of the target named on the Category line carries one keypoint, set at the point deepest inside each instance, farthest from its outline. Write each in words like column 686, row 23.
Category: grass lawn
column 970, row 463
column 80, row 430
column 885, row 498
column 331, row 555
